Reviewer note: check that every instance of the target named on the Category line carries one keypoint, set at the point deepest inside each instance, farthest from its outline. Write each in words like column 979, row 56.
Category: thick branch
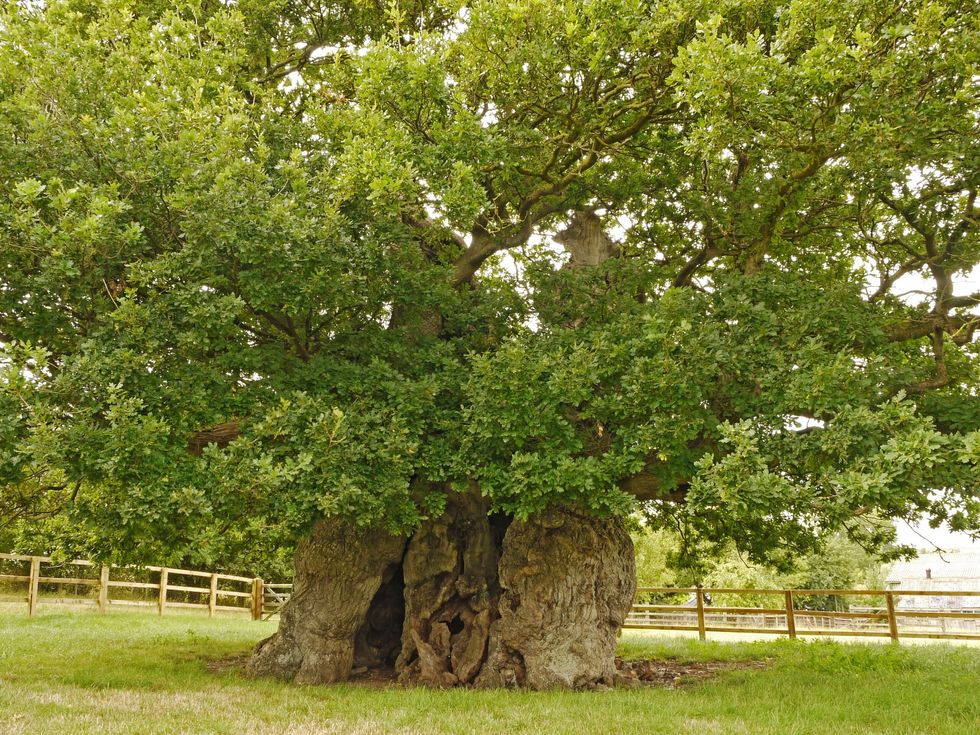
column 960, row 328
column 484, row 244
column 704, row 255
column 222, row 435
column 789, row 187
column 544, row 200
column 645, row 486
column 958, row 302
column 941, row 378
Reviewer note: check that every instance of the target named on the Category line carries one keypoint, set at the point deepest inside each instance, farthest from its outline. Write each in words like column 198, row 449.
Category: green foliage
column 656, row 553
column 663, row 561
column 329, row 226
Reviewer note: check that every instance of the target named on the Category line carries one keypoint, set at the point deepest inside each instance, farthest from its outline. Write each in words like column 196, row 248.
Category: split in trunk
column 472, row 599
column 451, row 593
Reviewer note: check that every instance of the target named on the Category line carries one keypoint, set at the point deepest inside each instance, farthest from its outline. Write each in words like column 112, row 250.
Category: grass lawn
column 72, row 673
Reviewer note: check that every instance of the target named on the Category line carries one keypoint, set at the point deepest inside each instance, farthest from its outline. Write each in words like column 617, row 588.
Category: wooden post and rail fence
column 249, row 590
column 262, row 599
column 786, row 620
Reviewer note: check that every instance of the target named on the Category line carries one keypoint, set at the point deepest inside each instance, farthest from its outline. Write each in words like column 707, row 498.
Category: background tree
column 661, row 561
column 441, row 290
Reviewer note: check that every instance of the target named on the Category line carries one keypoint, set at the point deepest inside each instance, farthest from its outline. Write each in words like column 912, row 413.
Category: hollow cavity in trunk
column 472, row 598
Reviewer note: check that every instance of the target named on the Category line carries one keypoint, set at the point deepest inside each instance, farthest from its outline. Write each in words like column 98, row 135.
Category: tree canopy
column 264, row 262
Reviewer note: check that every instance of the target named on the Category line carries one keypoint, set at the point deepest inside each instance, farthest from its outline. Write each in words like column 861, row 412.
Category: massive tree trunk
column 342, row 608
column 472, row 599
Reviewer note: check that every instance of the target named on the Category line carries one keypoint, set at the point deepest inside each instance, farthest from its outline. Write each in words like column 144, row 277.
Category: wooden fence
column 275, row 596
column 263, row 599
column 789, row 619
column 250, row 591
column 887, row 620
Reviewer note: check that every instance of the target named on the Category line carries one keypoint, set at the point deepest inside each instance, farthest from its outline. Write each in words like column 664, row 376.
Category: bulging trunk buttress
column 471, row 598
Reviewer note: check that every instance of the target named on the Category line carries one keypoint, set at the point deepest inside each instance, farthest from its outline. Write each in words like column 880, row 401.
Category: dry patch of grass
column 670, row 674
column 662, row 673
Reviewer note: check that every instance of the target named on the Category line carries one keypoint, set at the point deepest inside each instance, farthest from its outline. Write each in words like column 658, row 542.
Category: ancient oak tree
column 437, row 293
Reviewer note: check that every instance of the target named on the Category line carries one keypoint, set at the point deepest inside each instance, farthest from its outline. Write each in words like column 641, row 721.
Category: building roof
column 961, row 567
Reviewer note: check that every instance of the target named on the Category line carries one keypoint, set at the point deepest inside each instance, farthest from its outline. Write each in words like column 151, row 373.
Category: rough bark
column 222, row 435
column 473, row 599
column 568, row 582
column 451, row 592
column 339, row 572
column 586, row 241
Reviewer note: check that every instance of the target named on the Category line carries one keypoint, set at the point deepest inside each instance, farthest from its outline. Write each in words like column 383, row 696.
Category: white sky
column 926, row 539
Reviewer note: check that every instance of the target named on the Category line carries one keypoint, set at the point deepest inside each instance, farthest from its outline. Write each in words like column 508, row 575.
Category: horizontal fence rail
column 221, row 589
column 886, row 619
column 785, row 618
column 886, row 614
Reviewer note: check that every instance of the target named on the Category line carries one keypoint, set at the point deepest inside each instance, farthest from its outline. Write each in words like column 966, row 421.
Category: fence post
column 892, row 622
column 213, row 597
column 257, row 594
column 32, row 586
column 699, row 593
column 104, row 589
column 790, row 615
column 162, row 601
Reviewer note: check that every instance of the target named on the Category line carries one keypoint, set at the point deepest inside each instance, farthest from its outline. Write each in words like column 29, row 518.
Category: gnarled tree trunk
column 569, row 581
column 451, row 593
column 472, row 599
column 340, row 606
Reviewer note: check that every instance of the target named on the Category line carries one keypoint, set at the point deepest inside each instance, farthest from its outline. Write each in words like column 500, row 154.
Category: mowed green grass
column 74, row 673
